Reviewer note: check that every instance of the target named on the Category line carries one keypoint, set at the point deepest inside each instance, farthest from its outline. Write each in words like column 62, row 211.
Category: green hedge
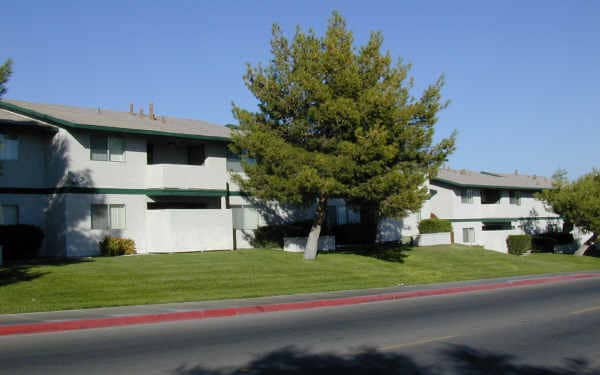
column 518, row 243
column 114, row 246
column 20, row 241
column 435, row 226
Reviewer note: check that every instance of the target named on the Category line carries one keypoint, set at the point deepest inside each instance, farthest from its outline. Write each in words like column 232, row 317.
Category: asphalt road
column 550, row 329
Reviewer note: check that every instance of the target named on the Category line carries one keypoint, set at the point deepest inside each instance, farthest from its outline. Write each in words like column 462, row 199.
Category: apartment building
column 81, row 174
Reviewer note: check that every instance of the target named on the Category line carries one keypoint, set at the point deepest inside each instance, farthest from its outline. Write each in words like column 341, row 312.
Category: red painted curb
column 218, row 313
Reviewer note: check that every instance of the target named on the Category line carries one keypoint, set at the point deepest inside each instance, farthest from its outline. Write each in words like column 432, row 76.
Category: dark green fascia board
column 449, row 182
column 71, row 125
column 503, row 219
column 94, row 190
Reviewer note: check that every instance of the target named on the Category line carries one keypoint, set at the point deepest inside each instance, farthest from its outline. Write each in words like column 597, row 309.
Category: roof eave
column 450, row 182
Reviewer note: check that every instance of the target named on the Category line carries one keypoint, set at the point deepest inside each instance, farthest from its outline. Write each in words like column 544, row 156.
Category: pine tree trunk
column 312, row 243
column 369, row 219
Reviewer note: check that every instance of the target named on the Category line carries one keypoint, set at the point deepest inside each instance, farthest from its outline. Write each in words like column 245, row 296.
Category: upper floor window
column 9, row 147
column 515, row 197
column 196, row 155
column 466, row 196
column 104, row 148
column 490, row 196
column 234, row 161
column 9, row 214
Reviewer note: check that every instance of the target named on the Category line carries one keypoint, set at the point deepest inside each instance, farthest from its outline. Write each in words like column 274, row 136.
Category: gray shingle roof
column 105, row 119
column 487, row 179
column 10, row 118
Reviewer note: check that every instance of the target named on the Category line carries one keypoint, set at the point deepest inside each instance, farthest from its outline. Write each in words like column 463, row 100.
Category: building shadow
column 455, row 360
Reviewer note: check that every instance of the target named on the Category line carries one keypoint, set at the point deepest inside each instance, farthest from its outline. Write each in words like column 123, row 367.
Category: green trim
column 72, row 125
column 488, row 186
column 94, row 190
column 503, row 219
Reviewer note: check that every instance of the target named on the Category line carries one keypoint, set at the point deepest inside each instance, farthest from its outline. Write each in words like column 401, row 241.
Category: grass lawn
column 252, row 273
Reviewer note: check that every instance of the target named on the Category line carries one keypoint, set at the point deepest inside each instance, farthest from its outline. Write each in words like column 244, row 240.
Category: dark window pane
column 99, row 216
column 196, row 155
column 99, row 147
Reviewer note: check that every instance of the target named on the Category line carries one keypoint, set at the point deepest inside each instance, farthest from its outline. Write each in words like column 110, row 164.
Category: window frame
column 465, row 230
column 514, row 197
column 107, row 152
column 467, row 196
column 109, row 223
column 6, row 136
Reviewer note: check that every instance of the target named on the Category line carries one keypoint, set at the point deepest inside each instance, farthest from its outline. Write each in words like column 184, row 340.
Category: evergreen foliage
column 334, row 120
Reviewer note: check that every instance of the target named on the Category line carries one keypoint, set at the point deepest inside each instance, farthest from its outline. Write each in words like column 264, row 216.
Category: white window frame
column 467, row 196
column 109, row 208
column 465, row 240
column 4, row 138
column 109, row 140
column 517, row 199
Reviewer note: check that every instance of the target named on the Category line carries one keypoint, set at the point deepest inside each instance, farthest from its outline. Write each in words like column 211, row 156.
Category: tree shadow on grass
column 14, row 272
column 456, row 360
column 388, row 252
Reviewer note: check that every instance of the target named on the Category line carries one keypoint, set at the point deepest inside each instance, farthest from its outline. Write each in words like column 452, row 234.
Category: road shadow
column 392, row 252
column 455, row 360
column 18, row 271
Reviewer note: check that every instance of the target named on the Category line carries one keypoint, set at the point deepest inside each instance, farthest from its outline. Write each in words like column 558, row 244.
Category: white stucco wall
column 188, row 230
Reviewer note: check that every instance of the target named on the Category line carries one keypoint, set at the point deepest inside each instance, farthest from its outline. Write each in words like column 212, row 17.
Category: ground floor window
column 9, row 214
column 468, row 235
column 108, row 216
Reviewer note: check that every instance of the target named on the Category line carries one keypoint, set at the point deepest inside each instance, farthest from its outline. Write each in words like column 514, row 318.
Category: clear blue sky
column 523, row 77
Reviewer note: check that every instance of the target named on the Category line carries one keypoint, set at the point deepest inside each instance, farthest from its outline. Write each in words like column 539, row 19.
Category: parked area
column 145, row 279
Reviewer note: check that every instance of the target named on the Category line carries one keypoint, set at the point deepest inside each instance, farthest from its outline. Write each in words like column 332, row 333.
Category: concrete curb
column 70, row 325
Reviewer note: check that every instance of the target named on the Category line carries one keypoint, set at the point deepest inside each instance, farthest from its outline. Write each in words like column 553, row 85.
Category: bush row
column 20, row 241
column 541, row 243
column 434, row 226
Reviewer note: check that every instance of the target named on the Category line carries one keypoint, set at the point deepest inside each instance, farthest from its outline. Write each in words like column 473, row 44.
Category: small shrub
column 543, row 244
column 518, row 243
column 20, row 241
column 114, row 246
column 435, row 226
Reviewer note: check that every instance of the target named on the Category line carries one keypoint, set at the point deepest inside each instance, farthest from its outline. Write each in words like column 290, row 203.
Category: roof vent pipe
column 151, row 111
column 131, row 111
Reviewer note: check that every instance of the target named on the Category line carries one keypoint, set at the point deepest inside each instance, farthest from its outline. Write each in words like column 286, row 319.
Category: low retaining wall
column 298, row 244
column 432, row 239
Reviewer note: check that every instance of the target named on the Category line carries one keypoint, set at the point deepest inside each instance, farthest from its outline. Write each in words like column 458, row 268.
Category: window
column 9, row 147
column 515, row 197
column 245, row 217
column 9, row 214
column 104, row 148
column 490, row 196
column 467, row 196
column 468, row 235
column 234, row 161
column 505, row 225
column 105, row 216
column 196, row 155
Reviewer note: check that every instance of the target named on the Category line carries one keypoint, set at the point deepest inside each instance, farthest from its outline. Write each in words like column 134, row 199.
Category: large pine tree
column 338, row 121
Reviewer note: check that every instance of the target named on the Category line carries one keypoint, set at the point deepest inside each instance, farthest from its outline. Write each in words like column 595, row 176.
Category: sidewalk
column 144, row 314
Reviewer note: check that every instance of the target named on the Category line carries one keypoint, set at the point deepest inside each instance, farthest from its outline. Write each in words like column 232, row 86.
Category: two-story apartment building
column 81, row 174
column 485, row 207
